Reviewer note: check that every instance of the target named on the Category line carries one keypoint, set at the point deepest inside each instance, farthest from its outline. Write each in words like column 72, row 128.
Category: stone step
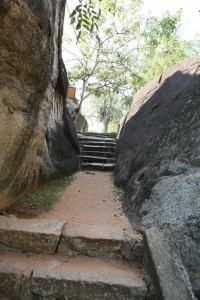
column 98, row 153
column 93, row 138
column 98, row 148
column 113, row 134
column 52, row 277
column 97, row 143
column 102, row 242
column 29, row 235
column 49, row 237
column 107, row 167
column 96, row 159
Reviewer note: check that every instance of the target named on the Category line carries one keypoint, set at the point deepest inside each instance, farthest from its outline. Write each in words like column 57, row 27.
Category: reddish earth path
column 89, row 199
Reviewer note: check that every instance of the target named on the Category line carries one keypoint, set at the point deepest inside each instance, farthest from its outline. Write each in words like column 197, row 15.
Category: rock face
column 37, row 135
column 81, row 123
column 158, row 161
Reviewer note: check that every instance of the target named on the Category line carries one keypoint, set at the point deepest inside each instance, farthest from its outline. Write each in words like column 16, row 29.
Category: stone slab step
column 101, row 241
column 96, row 138
column 54, row 277
column 96, row 159
column 109, row 167
column 49, row 237
column 112, row 134
column 97, row 143
column 29, row 235
column 98, row 153
column 101, row 148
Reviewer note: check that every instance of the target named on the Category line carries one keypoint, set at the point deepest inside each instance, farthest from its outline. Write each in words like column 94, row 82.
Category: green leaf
column 72, row 20
column 79, row 35
column 78, row 8
column 73, row 13
column 86, row 21
column 78, row 26
column 87, row 27
column 92, row 27
column 85, row 16
column 99, row 14
column 85, row 12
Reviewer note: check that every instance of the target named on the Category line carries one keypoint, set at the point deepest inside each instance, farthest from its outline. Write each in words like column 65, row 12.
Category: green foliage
column 161, row 47
column 127, row 52
column 85, row 17
column 41, row 199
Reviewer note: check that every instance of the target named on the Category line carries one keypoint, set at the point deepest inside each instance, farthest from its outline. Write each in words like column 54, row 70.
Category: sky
column 190, row 14
column 190, row 28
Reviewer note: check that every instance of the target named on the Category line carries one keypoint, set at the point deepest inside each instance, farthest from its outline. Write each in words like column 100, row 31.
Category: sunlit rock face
column 37, row 136
column 80, row 122
column 158, row 160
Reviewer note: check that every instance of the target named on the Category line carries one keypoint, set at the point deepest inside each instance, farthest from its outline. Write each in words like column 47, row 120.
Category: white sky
column 190, row 16
column 189, row 30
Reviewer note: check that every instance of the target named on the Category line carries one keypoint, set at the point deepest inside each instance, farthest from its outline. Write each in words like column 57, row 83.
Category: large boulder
column 174, row 208
column 81, row 124
column 37, row 136
column 158, row 161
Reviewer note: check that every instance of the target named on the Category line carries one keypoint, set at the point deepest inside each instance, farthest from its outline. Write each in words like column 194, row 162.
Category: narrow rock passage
column 90, row 199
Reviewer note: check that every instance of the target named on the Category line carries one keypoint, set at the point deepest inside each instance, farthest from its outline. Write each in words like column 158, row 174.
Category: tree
column 123, row 53
column 161, row 47
column 86, row 15
column 104, row 58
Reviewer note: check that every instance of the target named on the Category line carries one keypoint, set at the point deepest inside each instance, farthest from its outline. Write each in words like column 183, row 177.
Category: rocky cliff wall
column 37, row 136
column 158, row 161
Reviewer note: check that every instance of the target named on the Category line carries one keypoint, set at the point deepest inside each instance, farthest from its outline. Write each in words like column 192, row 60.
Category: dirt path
column 90, row 199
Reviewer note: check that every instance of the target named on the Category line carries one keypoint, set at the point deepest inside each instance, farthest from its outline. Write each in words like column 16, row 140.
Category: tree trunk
column 82, row 94
column 105, row 125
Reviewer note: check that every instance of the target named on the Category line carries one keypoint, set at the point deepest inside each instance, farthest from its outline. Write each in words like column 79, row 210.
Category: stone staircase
column 48, row 260
column 97, row 151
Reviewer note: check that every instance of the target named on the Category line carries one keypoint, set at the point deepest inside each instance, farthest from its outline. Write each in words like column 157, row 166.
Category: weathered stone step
column 48, row 237
column 113, row 134
column 96, row 159
column 97, row 143
column 108, row 167
column 29, row 235
column 51, row 277
column 97, row 148
column 101, row 241
column 93, row 138
column 98, row 153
